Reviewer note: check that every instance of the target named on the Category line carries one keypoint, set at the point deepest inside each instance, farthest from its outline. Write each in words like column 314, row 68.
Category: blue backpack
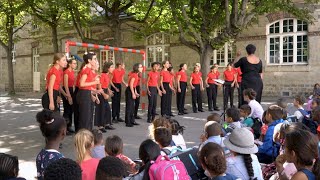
column 311, row 124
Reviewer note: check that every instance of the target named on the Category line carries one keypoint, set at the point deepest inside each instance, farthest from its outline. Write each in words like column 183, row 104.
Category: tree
column 11, row 21
column 197, row 20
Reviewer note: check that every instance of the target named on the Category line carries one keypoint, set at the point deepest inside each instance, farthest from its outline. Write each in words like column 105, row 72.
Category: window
column 158, row 48
column 106, row 56
column 35, row 59
column 287, row 42
column 224, row 55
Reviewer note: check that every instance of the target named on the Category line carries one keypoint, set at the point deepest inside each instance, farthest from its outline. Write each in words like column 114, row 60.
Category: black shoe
column 180, row 113
column 201, row 110
column 70, row 130
column 171, row 115
column 137, row 117
column 216, row 109
column 134, row 123
column 129, row 125
column 185, row 112
column 195, row 111
column 109, row 127
column 103, row 130
column 185, row 109
column 149, row 121
column 120, row 120
column 210, row 109
column 156, row 114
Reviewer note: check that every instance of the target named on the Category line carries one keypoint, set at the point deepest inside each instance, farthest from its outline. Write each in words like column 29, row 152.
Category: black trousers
column 228, row 93
column 254, row 82
column 196, row 98
column 129, row 116
column 68, row 109
column 166, row 100
column 152, row 99
column 137, row 102
column 212, row 92
column 85, row 109
column 76, row 110
column 116, row 99
column 45, row 100
column 181, row 96
column 103, row 111
column 240, row 95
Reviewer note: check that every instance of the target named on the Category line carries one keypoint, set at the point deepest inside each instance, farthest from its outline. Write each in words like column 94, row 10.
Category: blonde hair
column 160, row 122
column 84, row 140
column 56, row 57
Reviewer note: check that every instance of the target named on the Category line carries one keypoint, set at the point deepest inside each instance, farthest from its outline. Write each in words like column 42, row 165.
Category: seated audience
column 214, row 117
column 268, row 151
column 159, row 122
column 212, row 133
column 9, row 167
column 53, row 128
column 213, row 162
column 163, row 137
column 63, row 169
column 249, row 95
column 243, row 162
column 110, row 168
column 177, row 131
column 84, row 143
column 98, row 149
column 114, row 147
column 233, row 119
column 298, row 102
column 245, row 111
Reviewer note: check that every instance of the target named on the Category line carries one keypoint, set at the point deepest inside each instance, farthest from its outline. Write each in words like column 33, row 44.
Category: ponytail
column 181, row 66
column 82, row 66
column 316, row 168
column 146, row 171
column 248, row 163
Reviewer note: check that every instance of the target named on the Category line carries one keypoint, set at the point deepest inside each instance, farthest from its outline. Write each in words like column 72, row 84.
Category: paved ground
column 20, row 135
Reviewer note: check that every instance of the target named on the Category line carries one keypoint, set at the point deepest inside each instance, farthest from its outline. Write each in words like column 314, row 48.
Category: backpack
column 165, row 168
column 256, row 127
column 311, row 124
column 189, row 158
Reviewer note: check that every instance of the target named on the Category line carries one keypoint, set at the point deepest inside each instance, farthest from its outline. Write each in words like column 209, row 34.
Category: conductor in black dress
column 251, row 68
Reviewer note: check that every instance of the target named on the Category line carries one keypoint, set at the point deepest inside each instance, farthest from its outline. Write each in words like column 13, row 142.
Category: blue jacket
column 269, row 147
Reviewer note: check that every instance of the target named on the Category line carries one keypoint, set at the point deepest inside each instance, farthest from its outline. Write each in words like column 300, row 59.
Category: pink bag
column 165, row 168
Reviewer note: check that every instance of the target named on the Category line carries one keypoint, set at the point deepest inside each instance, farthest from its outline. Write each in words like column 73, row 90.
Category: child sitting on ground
column 212, row 133
column 63, row 169
column 9, row 167
column 114, row 147
column 163, row 137
column 98, row 149
column 84, row 143
column 214, row 117
column 233, row 119
column 177, row 131
column 110, row 168
column 268, row 151
column 298, row 102
column 53, row 128
column 245, row 111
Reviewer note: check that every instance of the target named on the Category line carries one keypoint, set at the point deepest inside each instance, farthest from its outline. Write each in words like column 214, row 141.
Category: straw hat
column 241, row 140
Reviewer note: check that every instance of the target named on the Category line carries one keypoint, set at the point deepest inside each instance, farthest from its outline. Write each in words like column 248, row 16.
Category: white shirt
column 256, row 109
column 299, row 115
column 179, row 141
column 236, row 166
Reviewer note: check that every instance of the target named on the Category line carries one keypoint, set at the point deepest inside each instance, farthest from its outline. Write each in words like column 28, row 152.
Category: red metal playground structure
column 135, row 51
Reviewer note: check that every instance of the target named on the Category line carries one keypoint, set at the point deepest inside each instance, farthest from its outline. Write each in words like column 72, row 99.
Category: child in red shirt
column 212, row 88
column 196, row 84
column 230, row 80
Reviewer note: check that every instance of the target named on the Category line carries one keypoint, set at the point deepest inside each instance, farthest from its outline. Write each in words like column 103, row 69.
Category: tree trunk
column 205, row 56
column 54, row 33
column 116, row 33
column 11, row 90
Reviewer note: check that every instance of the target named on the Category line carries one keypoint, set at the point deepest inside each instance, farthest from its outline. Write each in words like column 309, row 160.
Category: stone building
column 287, row 46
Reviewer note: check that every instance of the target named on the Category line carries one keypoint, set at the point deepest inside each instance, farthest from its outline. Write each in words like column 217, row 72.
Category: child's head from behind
column 214, row 117
column 52, row 125
column 245, row 110
column 84, row 142
column 159, row 122
column 176, row 127
column 274, row 113
column 114, row 145
column 212, row 128
column 212, row 159
column 233, row 115
column 315, row 103
column 149, row 151
column 9, row 166
column 249, row 94
column 163, row 137
column 63, row 168
column 98, row 137
column 110, row 168
column 282, row 103
column 299, row 100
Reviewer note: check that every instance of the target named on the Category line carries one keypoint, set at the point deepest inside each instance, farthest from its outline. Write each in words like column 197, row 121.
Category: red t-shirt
column 153, row 79
column 104, row 80
column 171, row 79
column 166, row 76
column 239, row 73
column 183, row 76
column 229, row 75
column 139, row 77
column 136, row 79
column 58, row 73
column 90, row 78
column 118, row 75
column 212, row 76
column 196, row 77
column 71, row 77
column 89, row 169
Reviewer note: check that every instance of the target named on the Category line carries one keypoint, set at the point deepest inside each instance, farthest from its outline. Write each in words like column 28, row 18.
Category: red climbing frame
column 96, row 46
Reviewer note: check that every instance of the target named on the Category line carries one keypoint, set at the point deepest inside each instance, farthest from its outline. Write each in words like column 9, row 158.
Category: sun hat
column 241, row 140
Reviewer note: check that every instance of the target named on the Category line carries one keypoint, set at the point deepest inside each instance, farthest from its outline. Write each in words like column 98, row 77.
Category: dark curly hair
column 212, row 157
column 176, row 127
column 111, row 168
column 63, row 169
column 250, row 93
column 9, row 166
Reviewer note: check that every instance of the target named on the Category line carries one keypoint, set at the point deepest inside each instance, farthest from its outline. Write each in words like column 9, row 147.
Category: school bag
column 311, row 124
column 189, row 158
column 165, row 168
column 256, row 127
